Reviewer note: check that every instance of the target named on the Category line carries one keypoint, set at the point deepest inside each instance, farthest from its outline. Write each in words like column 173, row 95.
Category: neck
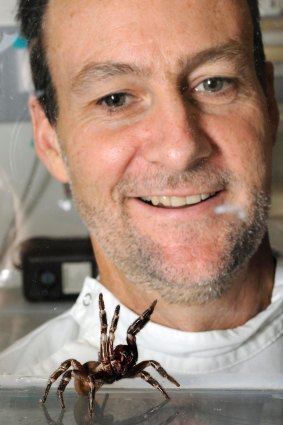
column 249, row 293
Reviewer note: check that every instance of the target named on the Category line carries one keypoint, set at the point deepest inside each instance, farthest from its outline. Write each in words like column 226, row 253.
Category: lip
column 186, row 212
column 177, row 201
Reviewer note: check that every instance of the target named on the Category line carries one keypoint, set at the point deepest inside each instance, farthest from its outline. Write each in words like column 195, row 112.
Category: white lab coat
column 249, row 356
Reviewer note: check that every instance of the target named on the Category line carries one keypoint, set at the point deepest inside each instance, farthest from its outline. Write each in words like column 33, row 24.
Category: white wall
column 7, row 12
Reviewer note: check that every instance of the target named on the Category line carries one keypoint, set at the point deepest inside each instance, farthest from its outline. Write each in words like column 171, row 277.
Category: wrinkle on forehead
column 138, row 31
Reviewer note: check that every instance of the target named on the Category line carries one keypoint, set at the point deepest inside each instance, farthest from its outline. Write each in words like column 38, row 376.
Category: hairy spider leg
column 112, row 331
column 141, row 321
column 103, row 355
column 138, row 371
column 59, row 371
column 157, row 366
column 62, row 386
column 155, row 384
column 137, row 325
column 94, row 386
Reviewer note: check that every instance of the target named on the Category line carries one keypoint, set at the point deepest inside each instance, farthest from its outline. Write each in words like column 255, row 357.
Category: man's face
column 166, row 135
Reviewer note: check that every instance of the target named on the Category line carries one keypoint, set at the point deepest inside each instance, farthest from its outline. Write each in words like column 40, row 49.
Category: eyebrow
column 93, row 72
column 97, row 72
column 232, row 51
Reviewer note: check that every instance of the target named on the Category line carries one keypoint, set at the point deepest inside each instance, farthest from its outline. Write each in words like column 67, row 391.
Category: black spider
column 112, row 365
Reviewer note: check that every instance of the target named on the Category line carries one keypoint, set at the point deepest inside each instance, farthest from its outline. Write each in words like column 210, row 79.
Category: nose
column 175, row 136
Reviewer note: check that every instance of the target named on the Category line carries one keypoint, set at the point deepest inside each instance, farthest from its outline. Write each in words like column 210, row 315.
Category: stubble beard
column 141, row 260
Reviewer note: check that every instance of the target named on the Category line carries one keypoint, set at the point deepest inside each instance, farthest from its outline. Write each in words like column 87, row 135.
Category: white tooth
column 165, row 200
column 155, row 200
column 177, row 201
column 193, row 199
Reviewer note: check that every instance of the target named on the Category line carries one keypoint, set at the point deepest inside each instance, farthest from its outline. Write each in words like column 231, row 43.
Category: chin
column 199, row 284
column 201, row 275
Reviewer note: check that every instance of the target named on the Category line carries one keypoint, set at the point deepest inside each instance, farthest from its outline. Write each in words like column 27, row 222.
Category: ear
column 46, row 142
column 271, row 100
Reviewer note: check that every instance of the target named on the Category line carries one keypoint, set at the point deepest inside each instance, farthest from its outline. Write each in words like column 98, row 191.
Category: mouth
column 176, row 201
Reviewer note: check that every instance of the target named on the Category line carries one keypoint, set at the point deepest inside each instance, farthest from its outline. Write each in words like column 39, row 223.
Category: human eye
column 115, row 101
column 215, row 85
column 215, row 90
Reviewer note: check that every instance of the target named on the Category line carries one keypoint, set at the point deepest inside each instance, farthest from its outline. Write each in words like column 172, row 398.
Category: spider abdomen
column 81, row 387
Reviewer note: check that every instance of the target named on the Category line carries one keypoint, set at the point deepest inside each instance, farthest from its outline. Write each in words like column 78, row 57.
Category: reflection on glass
column 131, row 408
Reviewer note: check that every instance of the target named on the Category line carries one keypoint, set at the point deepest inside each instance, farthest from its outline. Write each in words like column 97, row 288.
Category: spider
column 113, row 363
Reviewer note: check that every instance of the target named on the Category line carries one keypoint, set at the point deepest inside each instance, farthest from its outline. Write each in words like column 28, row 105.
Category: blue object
column 20, row 43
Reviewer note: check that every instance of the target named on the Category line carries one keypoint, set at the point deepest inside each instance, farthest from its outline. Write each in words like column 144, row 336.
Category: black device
column 54, row 269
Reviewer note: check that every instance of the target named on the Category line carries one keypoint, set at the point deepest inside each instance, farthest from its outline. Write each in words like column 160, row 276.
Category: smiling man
column 161, row 115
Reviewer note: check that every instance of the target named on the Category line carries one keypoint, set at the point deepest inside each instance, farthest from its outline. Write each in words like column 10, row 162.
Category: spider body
column 113, row 363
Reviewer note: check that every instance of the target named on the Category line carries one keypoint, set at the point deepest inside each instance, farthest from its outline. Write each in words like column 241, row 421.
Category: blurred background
column 38, row 219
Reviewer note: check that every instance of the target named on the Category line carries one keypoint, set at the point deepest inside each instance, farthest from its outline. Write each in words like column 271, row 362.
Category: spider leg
column 139, row 323
column 59, row 371
column 112, row 331
column 155, row 384
column 79, row 374
column 62, row 386
column 138, row 371
column 93, row 387
column 158, row 368
column 103, row 335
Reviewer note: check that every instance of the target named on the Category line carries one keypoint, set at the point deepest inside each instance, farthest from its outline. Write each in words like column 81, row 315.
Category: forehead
column 82, row 31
